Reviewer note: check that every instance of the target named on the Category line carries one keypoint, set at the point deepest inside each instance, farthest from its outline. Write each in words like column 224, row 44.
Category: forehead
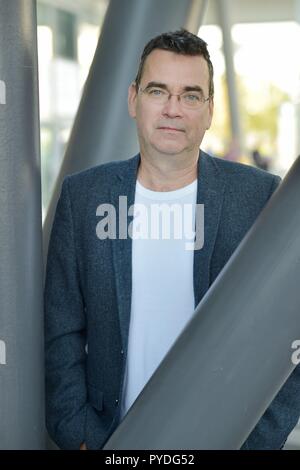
column 175, row 69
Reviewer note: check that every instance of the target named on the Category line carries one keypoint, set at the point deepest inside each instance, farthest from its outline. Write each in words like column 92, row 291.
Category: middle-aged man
column 115, row 301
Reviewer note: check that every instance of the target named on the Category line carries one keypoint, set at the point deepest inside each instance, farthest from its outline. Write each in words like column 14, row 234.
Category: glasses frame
column 203, row 100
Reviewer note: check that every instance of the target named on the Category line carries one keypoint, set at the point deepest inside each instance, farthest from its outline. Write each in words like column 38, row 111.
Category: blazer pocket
column 95, row 397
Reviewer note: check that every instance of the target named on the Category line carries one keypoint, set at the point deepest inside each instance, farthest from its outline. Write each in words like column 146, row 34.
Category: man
column 114, row 304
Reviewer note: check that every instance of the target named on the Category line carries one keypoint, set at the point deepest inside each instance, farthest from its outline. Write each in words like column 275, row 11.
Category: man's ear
column 132, row 95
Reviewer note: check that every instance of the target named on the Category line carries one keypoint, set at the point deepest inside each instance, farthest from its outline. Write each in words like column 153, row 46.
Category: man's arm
column 65, row 339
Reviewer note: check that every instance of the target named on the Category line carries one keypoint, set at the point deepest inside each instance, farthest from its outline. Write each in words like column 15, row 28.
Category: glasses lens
column 188, row 99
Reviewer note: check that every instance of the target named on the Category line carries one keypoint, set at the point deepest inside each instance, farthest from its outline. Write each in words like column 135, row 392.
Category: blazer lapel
column 210, row 192
column 124, row 185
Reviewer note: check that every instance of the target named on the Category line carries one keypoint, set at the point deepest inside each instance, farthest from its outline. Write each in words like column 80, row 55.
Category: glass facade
column 67, row 39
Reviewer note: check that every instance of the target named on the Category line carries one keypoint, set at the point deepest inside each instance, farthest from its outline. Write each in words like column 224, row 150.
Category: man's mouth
column 167, row 128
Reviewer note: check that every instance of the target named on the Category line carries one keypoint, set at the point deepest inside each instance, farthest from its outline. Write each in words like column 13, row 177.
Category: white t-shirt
column 162, row 281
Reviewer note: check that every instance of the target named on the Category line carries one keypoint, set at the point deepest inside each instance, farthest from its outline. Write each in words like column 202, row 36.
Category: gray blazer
column 88, row 296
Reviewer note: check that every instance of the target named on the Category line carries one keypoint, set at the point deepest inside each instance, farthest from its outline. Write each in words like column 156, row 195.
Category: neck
column 167, row 175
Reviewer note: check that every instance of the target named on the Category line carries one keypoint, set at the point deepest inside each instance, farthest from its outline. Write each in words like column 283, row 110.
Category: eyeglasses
column 188, row 99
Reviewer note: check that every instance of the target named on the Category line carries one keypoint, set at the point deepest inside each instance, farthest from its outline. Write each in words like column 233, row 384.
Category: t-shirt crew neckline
column 166, row 195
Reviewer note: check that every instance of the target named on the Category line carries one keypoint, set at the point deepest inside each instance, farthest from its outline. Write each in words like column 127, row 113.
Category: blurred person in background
column 259, row 160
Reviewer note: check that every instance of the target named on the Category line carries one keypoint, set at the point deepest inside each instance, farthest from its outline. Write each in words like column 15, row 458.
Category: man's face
column 171, row 128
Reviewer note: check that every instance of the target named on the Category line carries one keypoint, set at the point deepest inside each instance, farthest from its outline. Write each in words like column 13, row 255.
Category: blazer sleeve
column 280, row 418
column 278, row 421
column 65, row 333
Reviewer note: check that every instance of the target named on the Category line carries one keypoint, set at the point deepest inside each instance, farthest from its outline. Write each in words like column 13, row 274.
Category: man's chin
column 169, row 149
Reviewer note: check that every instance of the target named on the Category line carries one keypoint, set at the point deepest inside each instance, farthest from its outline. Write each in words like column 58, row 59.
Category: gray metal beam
column 21, row 311
column 224, row 15
column 235, row 354
column 103, row 131
column 196, row 15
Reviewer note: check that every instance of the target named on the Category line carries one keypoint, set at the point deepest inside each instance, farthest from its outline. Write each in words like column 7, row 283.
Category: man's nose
column 172, row 107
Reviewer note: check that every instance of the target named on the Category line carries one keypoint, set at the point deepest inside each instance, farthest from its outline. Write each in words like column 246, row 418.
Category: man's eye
column 155, row 92
column 192, row 97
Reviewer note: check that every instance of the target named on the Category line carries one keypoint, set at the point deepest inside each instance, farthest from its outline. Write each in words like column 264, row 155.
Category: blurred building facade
column 67, row 37
column 267, row 80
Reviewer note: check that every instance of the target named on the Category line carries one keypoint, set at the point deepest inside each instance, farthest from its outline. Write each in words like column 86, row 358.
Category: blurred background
column 266, row 79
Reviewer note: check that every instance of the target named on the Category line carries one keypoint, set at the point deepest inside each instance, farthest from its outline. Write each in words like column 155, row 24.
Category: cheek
column 203, row 123
column 147, row 120
column 198, row 126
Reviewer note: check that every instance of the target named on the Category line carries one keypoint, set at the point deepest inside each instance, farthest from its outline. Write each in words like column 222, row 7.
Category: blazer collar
column 123, row 184
column 210, row 192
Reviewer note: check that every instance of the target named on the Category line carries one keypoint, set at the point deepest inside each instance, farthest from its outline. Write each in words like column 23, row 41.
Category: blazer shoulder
column 99, row 176
column 246, row 177
column 237, row 168
column 102, row 170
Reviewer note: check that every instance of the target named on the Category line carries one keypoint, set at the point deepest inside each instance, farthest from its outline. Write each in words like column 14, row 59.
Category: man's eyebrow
column 156, row 85
column 165, row 87
column 194, row 88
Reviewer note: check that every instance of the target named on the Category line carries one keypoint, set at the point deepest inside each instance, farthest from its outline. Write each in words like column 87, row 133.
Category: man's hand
column 83, row 446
